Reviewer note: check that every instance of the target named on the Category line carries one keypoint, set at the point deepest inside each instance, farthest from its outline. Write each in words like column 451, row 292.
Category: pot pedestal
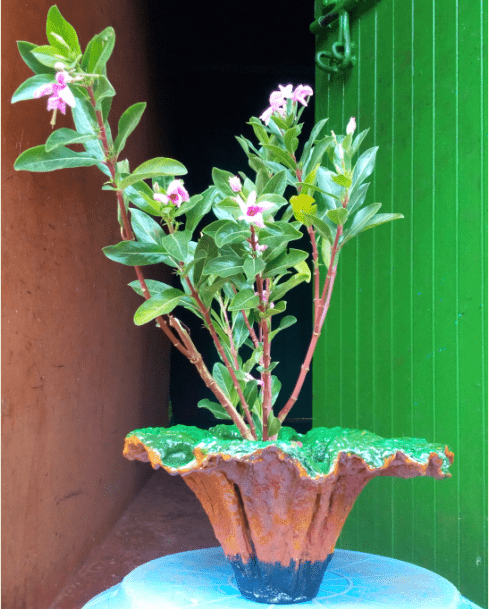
column 353, row 580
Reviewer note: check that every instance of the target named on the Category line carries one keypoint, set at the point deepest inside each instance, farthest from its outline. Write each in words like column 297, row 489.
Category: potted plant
column 277, row 499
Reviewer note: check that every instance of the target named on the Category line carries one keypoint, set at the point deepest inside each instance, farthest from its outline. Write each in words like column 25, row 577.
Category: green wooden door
column 404, row 349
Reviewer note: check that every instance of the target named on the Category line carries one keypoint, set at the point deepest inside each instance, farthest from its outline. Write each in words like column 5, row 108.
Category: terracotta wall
column 77, row 375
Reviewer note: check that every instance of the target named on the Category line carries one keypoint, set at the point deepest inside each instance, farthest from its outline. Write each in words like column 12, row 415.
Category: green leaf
column 273, row 424
column 231, row 232
column 64, row 136
column 259, row 129
column 303, row 203
column 330, row 191
column 224, row 266
column 290, row 139
column 342, row 180
column 57, row 27
column 284, row 261
column 281, row 289
column 240, row 330
column 358, row 141
column 217, row 410
column 27, row 88
column 36, row 66
column 127, row 123
column 133, row 253
column 321, row 226
column 177, row 244
column 153, row 286
column 317, row 154
column 244, row 300
column 276, row 386
column 276, row 233
column 38, row 159
column 278, row 308
column 145, row 228
column 49, row 56
column 338, row 216
column 326, row 249
column 285, row 322
column 277, row 184
column 360, row 220
column 364, row 166
column 86, row 122
column 102, row 90
column 357, row 197
column 195, row 215
column 312, row 140
column 221, row 181
column 142, row 196
column 253, row 266
column 380, row 219
column 155, row 167
column 98, row 52
column 281, row 156
column 222, row 377
column 159, row 304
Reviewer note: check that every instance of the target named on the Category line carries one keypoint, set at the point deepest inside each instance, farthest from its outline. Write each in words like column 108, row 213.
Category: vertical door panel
column 404, row 348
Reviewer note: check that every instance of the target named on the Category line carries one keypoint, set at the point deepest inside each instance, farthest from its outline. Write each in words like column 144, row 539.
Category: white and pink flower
column 175, row 194
column 252, row 211
column 278, row 100
column 59, row 92
column 301, row 92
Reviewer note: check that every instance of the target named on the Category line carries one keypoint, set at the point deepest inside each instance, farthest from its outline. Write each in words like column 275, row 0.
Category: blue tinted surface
column 204, row 579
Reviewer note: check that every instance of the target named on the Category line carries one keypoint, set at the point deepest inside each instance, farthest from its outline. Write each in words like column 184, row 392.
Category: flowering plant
column 235, row 274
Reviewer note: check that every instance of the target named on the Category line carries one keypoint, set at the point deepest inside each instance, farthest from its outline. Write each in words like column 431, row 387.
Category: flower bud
column 235, row 184
column 352, row 125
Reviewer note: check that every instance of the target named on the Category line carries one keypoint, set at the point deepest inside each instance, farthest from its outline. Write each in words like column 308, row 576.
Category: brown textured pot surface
column 266, row 507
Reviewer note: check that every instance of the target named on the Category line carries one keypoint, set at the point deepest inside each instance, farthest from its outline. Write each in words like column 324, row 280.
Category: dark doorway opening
column 213, row 66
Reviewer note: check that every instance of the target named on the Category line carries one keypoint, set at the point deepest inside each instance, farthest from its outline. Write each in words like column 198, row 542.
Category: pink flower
column 301, row 92
column 175, row 193
column 235, row 184
column 59, row 91
column 352, row 125
column 278, row 100
column 252, row 211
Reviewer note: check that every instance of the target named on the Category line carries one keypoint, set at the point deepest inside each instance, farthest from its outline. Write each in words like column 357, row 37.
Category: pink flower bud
column 352, row 125
column 235, row 184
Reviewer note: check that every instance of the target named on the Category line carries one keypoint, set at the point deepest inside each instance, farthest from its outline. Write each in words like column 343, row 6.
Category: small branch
column 128, row 235
column 196, row 358
column 229, row 332
column 222, row 353
column 321, row 316
column 315, row 256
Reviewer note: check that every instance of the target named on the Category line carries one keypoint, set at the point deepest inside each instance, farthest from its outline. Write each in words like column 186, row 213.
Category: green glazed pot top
column 317, row 455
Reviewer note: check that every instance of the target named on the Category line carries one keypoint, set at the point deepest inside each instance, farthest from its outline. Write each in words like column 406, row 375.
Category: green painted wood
column 404, row 349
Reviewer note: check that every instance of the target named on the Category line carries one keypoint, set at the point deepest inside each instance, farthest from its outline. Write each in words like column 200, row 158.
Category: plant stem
column 222, row 353
column 318, row 324
column 196, row 358
column 128, row 235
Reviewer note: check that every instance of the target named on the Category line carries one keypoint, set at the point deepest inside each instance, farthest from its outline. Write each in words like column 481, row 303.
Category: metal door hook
column 340, row 57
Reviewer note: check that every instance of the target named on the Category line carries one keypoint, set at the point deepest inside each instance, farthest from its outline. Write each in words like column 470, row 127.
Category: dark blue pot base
column 275, row 584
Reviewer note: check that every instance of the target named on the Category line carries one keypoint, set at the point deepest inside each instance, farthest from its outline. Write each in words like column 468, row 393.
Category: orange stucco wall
column 77, row 374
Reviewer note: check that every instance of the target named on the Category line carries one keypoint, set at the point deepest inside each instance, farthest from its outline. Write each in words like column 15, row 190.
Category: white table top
column 203, row 579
